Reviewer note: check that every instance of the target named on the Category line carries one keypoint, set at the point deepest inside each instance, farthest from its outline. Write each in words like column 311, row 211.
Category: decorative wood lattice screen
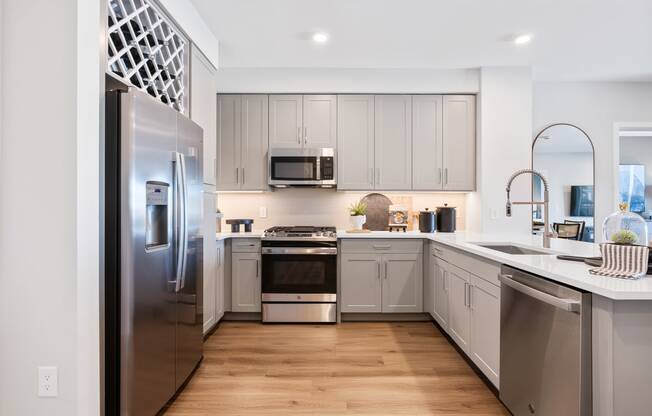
column 146, row 51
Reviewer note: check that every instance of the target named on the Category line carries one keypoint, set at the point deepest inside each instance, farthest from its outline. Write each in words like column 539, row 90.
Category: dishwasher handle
column 565, row 304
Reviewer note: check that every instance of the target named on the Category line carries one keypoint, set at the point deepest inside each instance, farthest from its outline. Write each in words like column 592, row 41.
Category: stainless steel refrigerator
column 153, row 252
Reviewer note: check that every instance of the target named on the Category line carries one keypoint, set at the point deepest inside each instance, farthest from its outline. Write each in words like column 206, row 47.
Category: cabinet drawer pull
column 382, row 246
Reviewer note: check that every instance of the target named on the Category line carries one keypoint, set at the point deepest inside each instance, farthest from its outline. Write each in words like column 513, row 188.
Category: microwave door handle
column 318, row 167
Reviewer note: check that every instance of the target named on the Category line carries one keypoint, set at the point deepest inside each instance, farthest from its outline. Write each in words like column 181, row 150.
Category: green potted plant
column 358, row 213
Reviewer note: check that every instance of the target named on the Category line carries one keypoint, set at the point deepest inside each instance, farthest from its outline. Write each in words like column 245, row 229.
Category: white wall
column 594, row 107
column 321, row 206
column 504, row 146
column 187, row 16
column 332, row 80
column 48, row 256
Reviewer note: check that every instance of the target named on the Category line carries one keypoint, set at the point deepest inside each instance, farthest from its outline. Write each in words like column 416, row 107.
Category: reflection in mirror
column 563, row 153
column 635, row 171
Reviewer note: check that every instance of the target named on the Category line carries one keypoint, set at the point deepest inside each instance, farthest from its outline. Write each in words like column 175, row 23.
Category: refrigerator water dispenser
column 156, row 234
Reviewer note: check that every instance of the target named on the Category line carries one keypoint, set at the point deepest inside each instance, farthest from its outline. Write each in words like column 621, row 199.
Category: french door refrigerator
column 153, row 252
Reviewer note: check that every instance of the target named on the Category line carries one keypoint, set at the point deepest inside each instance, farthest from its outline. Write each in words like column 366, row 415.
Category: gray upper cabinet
column 203, row 101
column 286, row 121
column 393, row 144
column 254, row 142
column 320, row 120
column 458, row 122
column 427, row 170
column 228, row 142
column 355, row 142
column 242, row 142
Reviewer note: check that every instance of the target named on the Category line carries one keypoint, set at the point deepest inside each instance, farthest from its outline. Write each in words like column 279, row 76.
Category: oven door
column 299, row 274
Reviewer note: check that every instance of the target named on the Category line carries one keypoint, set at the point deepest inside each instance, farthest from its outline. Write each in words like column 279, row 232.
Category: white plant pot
column 357, row 221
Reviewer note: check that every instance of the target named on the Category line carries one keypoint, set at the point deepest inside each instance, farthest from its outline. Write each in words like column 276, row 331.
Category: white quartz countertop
column 253, row 234
column 574, row 274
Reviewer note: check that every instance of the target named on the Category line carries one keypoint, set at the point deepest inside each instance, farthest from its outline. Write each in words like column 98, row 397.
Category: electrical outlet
column 48, row 382
column 494, row 214
column 262, row 212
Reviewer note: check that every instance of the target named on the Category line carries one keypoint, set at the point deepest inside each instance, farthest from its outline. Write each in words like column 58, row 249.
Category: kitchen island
column 621, row 310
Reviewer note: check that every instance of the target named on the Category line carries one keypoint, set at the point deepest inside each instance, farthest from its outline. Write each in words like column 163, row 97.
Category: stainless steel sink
column 514, row 249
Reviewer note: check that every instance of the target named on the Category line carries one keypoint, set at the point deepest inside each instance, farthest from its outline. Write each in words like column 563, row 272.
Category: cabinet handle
column 377, row 176
column 257, row 268
column 215, row 168
column 378, row 264
column 440, row 175
column 466, row 292
column 470, row 298
column 243, row 176
column 370, row 176
column 219, row 260
column 305, row 135
column 385, row 270
column 237, row 177
column 444, row 280
column 299, row 135
column 446, row 176
column 382, row 246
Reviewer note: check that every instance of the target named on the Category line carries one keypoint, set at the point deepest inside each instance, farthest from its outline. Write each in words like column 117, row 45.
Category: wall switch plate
column 48, row 382
column 262, row 212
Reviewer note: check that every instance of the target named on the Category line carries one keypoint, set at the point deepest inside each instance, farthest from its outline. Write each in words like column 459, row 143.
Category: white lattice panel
column 147, row 51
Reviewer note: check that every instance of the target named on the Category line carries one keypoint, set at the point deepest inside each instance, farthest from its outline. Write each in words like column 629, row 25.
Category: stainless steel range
column 299, row 274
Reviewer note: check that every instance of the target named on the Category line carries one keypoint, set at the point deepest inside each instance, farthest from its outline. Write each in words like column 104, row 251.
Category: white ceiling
column 573, row 39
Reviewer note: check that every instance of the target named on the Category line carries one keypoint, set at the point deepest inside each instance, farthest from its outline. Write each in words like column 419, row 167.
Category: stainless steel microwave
column 314, row 167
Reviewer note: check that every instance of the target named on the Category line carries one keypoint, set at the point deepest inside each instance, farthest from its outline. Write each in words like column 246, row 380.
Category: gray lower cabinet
column 245, row 282
column 360, row 287
column 220, row 306
column 381, row 282
column 441, row 294
column 459, row 324
column 242, row 142
column 484, row 303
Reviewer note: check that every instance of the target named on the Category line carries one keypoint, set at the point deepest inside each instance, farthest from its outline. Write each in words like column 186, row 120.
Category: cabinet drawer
column 478, row 266
column 245, row 245
column 382, row 246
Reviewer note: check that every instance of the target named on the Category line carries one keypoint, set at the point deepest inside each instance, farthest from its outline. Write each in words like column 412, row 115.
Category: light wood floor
column 347, row 369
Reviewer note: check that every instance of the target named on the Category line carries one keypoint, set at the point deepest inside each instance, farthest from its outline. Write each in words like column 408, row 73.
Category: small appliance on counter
column 235, row 224
column 446, row 219
column 398, row 218
column 427, row 221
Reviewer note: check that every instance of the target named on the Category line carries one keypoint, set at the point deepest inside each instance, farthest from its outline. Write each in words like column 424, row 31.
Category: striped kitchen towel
column 625, row 262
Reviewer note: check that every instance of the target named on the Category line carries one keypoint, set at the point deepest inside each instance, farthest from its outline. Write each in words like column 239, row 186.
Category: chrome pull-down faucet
column 547, row 235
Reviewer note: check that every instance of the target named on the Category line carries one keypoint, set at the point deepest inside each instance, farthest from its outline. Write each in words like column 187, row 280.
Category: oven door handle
column 327, row 251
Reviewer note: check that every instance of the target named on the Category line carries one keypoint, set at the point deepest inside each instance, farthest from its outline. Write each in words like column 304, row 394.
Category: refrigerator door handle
column 178, row 231
column 184, row 220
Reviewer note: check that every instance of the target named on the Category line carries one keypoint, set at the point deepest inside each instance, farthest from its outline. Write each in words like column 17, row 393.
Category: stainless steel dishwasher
column 545, row 346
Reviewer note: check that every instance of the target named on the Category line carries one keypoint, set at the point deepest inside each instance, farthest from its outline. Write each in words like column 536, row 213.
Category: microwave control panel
column 327, row 169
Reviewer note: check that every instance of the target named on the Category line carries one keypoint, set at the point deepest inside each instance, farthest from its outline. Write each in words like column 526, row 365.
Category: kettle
column 427, row 221
column 446, row 219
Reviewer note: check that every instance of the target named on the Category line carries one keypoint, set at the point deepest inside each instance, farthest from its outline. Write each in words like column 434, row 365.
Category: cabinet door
column 360, row 285
column 228, row 142
column 285, row 121
column 219, row 283
column 210, row 260
column 393, row 142
column 484, row 303
column 402, row 283
column 203, row 103
column 320, row 120
column 245, row 283
column 427, row 171
column 459, row 142
column 429, row 286
column 441, row 294
column 355, row 142
column 254, row 142
column 460, row 317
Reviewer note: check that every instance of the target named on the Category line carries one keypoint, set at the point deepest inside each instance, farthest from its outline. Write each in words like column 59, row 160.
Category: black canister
column 427, row 221
column 446, row 219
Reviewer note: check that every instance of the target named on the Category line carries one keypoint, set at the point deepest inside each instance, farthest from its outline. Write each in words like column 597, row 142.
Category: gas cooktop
column 300, row 233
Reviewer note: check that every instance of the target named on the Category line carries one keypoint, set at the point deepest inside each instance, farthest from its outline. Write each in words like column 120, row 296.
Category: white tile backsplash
column 320, row 206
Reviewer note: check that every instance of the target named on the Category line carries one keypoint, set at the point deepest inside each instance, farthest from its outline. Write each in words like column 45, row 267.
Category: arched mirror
column 563, row 153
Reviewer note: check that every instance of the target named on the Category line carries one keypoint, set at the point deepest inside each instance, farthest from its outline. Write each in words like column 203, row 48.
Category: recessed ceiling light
column 320, row 37
column 522, row 39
